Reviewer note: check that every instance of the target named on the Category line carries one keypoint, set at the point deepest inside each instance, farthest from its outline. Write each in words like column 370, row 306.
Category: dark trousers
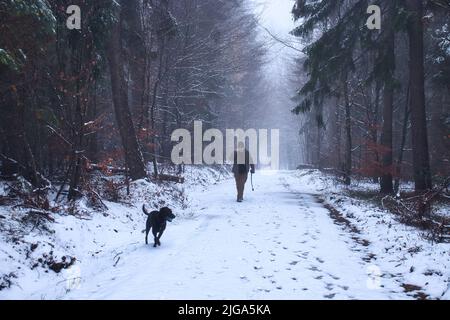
column 241, row 179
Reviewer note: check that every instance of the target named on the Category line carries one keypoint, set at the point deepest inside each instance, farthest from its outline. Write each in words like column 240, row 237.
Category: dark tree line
column 376, row 102
column 111, row 93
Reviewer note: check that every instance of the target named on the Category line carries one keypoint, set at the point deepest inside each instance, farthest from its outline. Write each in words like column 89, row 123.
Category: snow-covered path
column 280, row 243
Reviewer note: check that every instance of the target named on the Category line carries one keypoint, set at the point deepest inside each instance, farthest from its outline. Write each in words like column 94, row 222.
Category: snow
column 280, row 243
column 401, row 252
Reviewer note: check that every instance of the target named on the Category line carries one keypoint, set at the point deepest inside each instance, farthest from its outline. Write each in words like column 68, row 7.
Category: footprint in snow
column 333, row 276
column 314, row 268
column 320, row 260
column 329, row 286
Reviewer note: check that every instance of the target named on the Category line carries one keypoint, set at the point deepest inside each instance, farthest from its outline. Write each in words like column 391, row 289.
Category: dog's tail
column 145, row 210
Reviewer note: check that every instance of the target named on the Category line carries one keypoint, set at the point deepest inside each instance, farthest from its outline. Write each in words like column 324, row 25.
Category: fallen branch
column 117, row 261
column 42, row 214
column 90, row 167
column 416, row 211
column 170, row 178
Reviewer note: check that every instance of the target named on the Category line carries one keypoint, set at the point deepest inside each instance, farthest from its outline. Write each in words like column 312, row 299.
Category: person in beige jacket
column 242, row 164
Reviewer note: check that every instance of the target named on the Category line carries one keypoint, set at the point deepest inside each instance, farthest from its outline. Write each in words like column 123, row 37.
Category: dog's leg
column 148, row 226
column 157, row 241
column 159, row 236
column 155, row 237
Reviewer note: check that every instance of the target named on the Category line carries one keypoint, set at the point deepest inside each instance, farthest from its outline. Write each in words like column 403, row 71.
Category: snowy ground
column 280, row 243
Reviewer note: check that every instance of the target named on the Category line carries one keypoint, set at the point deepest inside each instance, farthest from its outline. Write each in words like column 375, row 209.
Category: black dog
column 157, row 221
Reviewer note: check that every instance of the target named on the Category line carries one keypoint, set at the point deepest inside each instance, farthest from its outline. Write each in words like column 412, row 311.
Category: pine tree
column 421, row 162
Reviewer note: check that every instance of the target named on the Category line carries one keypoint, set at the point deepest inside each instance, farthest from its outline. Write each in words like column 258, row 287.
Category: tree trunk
column 78, row 130
column 388, row 106
column 348, row 135
column 133, row 155
column 319, row 147
column 133, row 18
column 403, row 141
column 338, row 135
column 74, row 191
column 93, row 137
column 421, row 163
column 374, row 126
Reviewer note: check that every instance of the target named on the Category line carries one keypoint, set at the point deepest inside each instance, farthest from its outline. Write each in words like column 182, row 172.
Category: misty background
column 280, row 83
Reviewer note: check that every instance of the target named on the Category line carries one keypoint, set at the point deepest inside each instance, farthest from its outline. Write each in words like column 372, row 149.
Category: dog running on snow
column 157, row 221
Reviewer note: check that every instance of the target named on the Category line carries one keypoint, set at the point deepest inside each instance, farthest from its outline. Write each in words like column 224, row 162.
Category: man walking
column 242, row 164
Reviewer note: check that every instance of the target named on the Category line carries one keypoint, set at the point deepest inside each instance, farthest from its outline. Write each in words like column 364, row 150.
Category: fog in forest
column 275, row 23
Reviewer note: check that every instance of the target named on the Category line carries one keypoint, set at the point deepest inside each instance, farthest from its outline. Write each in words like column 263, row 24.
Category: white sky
column 276, row 15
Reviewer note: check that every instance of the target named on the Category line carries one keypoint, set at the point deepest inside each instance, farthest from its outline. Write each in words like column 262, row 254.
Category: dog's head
column 167, row 214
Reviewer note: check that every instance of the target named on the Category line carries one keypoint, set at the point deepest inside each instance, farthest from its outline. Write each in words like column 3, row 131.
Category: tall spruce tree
column 337, row 42
column 421, row 162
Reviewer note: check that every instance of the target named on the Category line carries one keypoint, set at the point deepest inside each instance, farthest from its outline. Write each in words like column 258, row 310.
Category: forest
column 376, row 103
column 111, row 93
column 92, row 93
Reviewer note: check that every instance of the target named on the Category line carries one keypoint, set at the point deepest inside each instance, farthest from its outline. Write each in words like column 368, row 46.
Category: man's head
column 241, row 146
